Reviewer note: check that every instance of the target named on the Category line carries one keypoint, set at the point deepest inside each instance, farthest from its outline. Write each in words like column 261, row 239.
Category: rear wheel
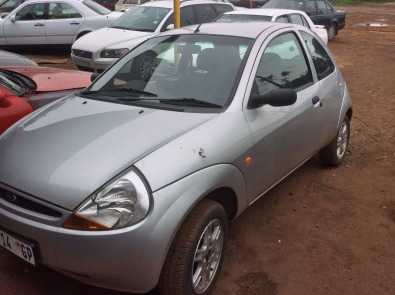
column 334, row 153
column 195, row 258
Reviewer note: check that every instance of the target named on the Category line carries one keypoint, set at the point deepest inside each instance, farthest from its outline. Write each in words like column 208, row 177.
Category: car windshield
column 141, row 18
column 179, row 71
column 229, row 18
column 99, row 9
column 13, row 82
column 9, row 5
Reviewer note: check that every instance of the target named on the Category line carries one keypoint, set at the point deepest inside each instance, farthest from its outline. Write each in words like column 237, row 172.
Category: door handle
column 316, row 101
column 39, row 25
column 74, row 23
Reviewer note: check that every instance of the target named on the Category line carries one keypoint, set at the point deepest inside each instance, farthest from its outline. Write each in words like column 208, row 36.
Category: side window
column 296, row 19
column 322, row 62
column 31, row 12
column 283, row 65
column 305, row 22
column 187, row 16
column 204, row 13
column 62, row 11
column 310, row 8
column 221, row 8
column 322, row 7
column 282, row 19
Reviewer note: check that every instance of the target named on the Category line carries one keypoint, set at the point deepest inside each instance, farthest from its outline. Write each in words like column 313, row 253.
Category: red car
column 23, row 89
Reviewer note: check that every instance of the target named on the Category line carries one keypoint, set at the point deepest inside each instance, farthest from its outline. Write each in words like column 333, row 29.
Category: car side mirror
column 13, row 18
column 275, row 98
column 94, row 76
column 170, row 27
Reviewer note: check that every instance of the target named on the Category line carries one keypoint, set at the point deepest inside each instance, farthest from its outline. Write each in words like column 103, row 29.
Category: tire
column 181, row 262
column 332, row 31
column 334, row 153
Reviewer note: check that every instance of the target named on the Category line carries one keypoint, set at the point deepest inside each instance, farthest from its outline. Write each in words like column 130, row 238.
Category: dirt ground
column 322, row 231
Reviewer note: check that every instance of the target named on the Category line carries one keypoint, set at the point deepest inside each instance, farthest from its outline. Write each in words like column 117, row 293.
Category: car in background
column 53, row 22
column 6, row 6
column 275, row 15
column 8, row 59
column 125, row 185
column 12, row 107
column 321, row 12
column 100, row 49
column 42, row 85
column 123, row 5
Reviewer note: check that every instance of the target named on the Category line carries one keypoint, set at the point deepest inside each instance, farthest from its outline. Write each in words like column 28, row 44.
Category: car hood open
column 69, row 149
column 107, row 37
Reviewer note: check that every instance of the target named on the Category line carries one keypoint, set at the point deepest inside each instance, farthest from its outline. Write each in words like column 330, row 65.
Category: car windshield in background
column 99, row 9
column 142, row 18
column 229, row 18
column 198, row 71
column 9, row 5
column 12, row 83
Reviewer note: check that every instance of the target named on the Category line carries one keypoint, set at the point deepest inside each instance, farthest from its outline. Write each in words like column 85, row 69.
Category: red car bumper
column 11, row 110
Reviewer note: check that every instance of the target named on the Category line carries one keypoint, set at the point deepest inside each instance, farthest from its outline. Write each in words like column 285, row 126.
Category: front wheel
column 195, row 258
column 334, row 153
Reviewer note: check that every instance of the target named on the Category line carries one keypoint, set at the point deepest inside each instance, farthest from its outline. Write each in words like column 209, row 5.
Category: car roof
column 265, row 11
column 244, row 29
column 169, row 3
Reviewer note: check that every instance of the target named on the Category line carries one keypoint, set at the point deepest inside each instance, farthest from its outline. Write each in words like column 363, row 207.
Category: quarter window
column 322, row 62
column 282, row 65
column 305, row 22
column 62, row 11
column 31, row 12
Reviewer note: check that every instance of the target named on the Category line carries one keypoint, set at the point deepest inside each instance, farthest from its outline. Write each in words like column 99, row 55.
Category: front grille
column 82, row 53
column 22, row 202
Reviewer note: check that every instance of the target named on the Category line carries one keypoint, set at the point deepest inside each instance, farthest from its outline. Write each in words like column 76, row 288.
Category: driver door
column 283, row 137
column 27, row 25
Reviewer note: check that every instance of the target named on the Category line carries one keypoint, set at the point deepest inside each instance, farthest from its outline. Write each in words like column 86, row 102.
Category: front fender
column 175, row 201
column 346, row 105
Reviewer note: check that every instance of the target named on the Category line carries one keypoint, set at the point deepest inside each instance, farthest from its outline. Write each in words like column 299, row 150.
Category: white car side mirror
column 170, row 27
column 12, row 18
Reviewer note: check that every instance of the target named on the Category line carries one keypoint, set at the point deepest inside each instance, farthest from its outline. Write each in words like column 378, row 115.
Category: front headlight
column 113, row 53
column 122, row 203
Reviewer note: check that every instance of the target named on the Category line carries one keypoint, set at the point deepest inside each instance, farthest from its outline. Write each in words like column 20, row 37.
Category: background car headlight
column 113, row 53
column 122, row 203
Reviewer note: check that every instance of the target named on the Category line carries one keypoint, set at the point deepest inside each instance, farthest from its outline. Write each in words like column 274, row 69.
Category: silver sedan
column 131, row 183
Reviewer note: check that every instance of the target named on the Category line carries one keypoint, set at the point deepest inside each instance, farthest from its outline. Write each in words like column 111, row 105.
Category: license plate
column 17, row 247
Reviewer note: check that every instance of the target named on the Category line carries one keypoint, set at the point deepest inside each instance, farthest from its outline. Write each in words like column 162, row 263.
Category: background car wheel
column 81, row 34
column 195, row 258
column 334, row 153
column 332, row 32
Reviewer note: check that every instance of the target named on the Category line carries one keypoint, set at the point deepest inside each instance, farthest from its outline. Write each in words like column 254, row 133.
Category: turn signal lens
column 80, row 223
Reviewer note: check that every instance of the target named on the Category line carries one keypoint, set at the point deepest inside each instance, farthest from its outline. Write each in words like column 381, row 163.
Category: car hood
column 107, row 37
column 53, row 79
column 67, row 150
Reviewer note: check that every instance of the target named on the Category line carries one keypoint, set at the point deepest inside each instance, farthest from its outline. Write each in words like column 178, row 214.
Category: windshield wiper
column 128, row 90
column 186, row 101
column 269, row 81
column 137, row 91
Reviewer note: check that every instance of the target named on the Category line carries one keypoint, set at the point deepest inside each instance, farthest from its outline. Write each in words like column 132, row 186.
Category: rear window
column 99, row 9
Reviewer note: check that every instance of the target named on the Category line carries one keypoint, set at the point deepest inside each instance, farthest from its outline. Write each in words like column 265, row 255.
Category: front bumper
column 127, row 259
column 92, row 65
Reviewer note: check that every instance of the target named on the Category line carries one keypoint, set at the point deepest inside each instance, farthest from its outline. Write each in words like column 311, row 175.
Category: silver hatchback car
column 130, row 184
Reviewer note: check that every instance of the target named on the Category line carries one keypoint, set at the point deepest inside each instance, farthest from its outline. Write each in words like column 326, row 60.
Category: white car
column 38, row 22
column 100, row 49
column 275, row 15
